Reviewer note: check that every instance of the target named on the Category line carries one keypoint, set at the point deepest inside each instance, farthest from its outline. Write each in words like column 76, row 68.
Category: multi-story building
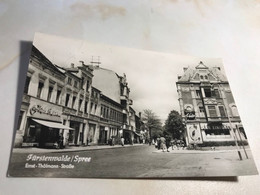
column 40, row 118
column 63, row 101
column 116, row 88
column 207, row 107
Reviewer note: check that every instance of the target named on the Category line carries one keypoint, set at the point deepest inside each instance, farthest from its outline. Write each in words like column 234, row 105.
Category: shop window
column 40, row 87
column 212, row 111
column 27, row 83
column 50, row 93
column 73, row 101
column 222, row 111
column 58, row 96
column 67, row 100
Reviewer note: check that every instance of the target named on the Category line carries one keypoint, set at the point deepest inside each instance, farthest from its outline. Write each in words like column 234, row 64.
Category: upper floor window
column 58, row 96
column 27, row 83
column 222, row 111
column 73, row 101
column 69, row 81
column 76, row 84
column 40, row 87
column 212, row 111
column 88, row 84
column 234, row 110
column 198, row 94
column 50, row 93
column 67, row 99
column 207, row 92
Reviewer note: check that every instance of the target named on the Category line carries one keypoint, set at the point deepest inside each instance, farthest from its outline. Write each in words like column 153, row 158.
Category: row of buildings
column 207, row 107
column 83, row 104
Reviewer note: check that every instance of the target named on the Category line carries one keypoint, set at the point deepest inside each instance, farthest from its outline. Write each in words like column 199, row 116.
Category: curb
column 38, row 150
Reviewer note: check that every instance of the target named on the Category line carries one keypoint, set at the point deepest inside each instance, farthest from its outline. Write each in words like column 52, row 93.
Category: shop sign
column 190, row 115
column 44, row 110
column 77, row 119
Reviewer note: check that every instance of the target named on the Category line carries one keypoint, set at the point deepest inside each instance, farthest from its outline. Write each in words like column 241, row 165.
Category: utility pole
column 238, row 131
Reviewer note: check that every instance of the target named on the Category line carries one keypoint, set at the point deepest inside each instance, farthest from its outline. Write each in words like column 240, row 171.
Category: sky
column 151, row 75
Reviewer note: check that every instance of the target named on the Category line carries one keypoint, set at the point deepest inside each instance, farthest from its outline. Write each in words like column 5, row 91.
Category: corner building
column 208, row 108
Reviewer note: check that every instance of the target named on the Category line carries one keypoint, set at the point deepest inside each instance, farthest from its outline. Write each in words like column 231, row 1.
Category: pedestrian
column 60, row 141
column 156, row 143
column 122, row 141
column 163, row 143
column 159, row 143
column 168, row 143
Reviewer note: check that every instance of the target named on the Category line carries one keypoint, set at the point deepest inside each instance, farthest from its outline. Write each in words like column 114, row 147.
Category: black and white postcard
column 90, row 110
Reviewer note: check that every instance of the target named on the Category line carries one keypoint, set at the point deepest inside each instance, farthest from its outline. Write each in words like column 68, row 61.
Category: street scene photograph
column 90, row 110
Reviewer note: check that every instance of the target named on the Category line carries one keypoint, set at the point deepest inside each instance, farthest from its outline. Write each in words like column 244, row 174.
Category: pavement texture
column 138, row 161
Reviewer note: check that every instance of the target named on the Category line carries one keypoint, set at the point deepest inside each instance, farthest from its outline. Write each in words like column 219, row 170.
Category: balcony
column 93, row 117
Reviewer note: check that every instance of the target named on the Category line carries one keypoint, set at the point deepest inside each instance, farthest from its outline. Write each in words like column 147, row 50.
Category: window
column 202, row 111
column 75, row 84
column 50, row 93
column 67, row 100
column 95, row 108
column 212, row 111
column 206, row 77
column 234, row 110
column 27, row 83
column 20, row 120
column 91, row 107
column 40, row 87
column 73, row 101
column 69, row 80
column 86, row 107
column 198, row 94
column 201, row 77
column 87, row 88
column 101, row 111
column 207, row 92
column 80, row 102
column 222, row 111
column 58, row 96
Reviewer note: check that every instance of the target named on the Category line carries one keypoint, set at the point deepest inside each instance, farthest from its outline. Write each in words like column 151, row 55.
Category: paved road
column 138, row 161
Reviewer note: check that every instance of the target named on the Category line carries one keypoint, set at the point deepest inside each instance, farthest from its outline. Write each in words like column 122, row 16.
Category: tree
column 174, row 125
column 152, row 123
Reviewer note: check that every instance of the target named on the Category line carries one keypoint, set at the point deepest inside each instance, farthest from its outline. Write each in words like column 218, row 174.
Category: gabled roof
column 194, row 74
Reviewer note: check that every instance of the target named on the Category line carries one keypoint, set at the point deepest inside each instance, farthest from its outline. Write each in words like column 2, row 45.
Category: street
column 129, row 162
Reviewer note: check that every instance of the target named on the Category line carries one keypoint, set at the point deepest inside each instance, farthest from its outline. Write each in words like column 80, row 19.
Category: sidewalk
column 70, row 149
column 205, row 150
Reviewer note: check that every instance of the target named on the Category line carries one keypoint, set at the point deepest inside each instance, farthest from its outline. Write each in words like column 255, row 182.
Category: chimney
column 185, row 68
column 72, row 65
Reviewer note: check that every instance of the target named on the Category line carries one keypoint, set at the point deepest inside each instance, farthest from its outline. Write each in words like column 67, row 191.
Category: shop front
column 44, row 127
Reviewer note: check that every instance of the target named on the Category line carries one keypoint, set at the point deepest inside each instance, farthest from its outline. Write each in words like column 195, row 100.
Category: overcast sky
column 151, row 75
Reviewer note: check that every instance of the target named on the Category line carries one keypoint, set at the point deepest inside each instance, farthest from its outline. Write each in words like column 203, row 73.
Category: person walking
column 122, row 141
column 163, row 143
column 168, row 143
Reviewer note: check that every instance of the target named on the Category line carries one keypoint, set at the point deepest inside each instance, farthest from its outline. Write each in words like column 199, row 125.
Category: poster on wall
column 194, row 133
column 124, row 118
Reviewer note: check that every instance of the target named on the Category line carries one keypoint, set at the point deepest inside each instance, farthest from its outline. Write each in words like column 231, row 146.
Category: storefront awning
column 52, row 124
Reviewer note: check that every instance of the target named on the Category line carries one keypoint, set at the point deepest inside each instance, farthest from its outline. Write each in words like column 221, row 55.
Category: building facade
column 208, row 108
column 63, row 102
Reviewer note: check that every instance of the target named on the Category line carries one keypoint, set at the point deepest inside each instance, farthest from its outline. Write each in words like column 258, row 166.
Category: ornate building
column 207, row 107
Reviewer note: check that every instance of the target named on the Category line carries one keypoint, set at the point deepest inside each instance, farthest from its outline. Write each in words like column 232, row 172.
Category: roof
column 193, row 74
